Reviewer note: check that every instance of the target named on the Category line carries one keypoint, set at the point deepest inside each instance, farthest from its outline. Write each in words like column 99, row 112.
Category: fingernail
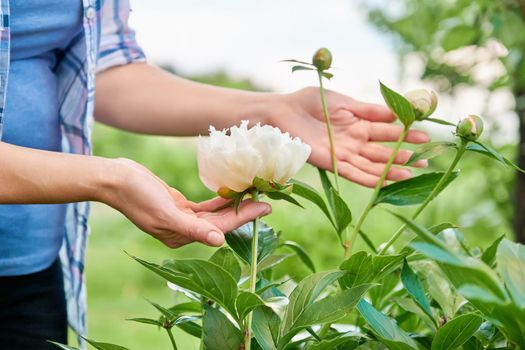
column 215, row 238
column 406, row 173
column 423, row 163
column 267, row 210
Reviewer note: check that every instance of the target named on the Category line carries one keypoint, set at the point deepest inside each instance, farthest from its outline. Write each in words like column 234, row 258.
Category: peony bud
column 229, row 163
column 322, row 59
column 423, row 101
column 470, row 128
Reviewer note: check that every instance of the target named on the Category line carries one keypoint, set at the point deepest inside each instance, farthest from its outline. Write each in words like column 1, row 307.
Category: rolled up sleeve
column 118, row 45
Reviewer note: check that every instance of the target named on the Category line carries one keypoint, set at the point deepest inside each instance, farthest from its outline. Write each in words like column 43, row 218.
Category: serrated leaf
column 218, row 332
column 225, row 258
column 246, row 302
column 301, row 254
column 430, row 150
column 398, row 105
column 385, row 328
column 456, row 332
column 309, row 193
column 414, row 287
column 240, row 240
column 414, row 190
column 510, row 259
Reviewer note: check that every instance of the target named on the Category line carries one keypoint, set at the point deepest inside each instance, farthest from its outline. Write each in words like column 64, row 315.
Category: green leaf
column 490, row 152
column 225, row 258
column 327, row 186
column 104, row 346
column 301, row 62
column 358, row 270
column 296, row 68
column 421, row 231
column 301, row 254
column 191, row 328
column 283, row 196
column 309, row 193
column 346, row 341
column 398, row 105
column 439, row 121
column 327, row 75
column 199, row 276
column 246, row 302
column 385, row 328
column 489, row 255
column 218, row 332
column 305, row 294
column 62, row 346
column 327, row 310
column 430, row 150
column 412, row 191
column 456, row 332
column 510, row 259
column 342, row 213
column 265, row 327
column 240, row 240
column 459, row 36
column 146, row 321
column 414, row 287
column 462, row 270
column 271, row 261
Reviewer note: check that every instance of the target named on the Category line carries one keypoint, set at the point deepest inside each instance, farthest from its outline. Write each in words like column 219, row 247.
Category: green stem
column 329, row 128
column 253, row 274
column 333, row 158
column 173, row 344
column 435, row 191
column 378, row 187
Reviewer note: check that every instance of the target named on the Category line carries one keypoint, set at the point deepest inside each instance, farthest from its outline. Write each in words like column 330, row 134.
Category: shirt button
column 91, row 12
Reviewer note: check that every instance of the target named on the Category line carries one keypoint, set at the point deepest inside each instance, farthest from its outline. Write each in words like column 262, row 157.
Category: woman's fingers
column 228, row 219
column 385, row 132
column 357, row 175
column 371, row 112
column 373, row 168
column 209, row 205
column 380, row 154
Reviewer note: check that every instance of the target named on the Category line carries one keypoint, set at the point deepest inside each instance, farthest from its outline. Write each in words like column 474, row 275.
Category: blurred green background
column 428, row 34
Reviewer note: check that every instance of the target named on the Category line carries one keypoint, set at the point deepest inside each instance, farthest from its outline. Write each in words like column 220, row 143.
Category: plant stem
column 253, row 274
column 435, row 191
column 173, row 344
column 379, row 184
column 329, row 129
column 345, row 243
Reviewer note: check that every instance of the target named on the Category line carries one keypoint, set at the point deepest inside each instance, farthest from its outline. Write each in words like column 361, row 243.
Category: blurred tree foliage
column 467, row 42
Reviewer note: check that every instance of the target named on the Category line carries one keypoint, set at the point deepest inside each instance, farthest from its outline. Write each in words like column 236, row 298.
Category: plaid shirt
column 107, row 42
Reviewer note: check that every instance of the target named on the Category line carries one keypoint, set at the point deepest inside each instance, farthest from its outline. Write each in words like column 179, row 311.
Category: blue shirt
column 31, row 235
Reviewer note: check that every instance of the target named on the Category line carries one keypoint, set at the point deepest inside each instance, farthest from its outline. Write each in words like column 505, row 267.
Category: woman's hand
column 167, row 215
column 357, row 127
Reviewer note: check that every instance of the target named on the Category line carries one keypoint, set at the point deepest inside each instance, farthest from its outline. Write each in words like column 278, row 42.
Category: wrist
column 264, row 108
column 108, row 180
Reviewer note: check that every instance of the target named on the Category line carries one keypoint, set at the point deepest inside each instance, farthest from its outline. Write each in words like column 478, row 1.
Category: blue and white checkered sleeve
column 118, row 45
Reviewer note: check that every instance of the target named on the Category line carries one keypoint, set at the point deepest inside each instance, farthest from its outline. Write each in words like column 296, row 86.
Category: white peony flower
column 423, row 101
column 232, row 161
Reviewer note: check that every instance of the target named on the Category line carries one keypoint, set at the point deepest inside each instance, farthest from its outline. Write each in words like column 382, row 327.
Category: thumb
column 197, row 229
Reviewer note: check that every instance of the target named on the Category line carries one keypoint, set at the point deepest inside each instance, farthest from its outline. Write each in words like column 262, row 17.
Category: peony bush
column 437, row 292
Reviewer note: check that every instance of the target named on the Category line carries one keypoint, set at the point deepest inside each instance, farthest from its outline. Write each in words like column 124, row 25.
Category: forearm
column 145, row 99
column 29, row 176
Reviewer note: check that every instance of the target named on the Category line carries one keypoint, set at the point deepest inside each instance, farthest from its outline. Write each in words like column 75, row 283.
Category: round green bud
column 322, row 59
column 423, row 101
column 470, row 128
